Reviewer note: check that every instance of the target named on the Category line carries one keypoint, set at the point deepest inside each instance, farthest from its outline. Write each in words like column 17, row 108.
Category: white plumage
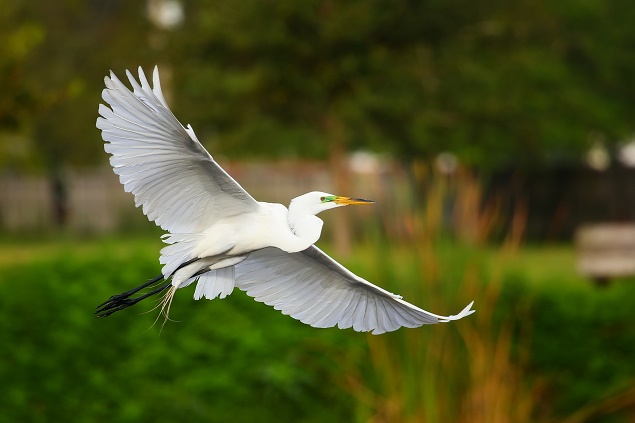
column 222, row 237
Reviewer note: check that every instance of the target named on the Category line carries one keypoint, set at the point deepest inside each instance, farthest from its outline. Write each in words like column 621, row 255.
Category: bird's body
column 221, row 238
column 230, row 240
column 270, row 226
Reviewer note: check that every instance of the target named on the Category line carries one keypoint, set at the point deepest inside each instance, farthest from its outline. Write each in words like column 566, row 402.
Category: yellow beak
column 349, row 200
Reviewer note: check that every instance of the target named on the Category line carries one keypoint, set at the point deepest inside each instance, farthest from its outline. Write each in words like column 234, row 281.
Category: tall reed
column 472, row 370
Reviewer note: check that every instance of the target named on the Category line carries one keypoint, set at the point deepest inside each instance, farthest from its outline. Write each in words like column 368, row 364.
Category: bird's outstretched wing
column 312, row 287
column 176, row 181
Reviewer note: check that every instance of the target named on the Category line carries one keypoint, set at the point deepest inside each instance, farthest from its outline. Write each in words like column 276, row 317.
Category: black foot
column 121, row 301
column 116, row 304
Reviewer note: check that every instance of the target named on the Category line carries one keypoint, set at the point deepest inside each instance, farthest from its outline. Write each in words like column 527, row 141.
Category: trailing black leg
column 123, row 300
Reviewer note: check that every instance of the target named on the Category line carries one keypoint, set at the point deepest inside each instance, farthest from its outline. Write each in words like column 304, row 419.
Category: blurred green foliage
column 238, row 360
column 592, row 358
column 496, row 83
column 226, row 363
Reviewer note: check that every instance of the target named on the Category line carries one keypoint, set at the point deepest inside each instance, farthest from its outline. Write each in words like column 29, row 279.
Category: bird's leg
column 133, row 291
column 122, row 302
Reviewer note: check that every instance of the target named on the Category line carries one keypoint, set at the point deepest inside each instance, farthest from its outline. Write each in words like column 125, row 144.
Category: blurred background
column 497, row 139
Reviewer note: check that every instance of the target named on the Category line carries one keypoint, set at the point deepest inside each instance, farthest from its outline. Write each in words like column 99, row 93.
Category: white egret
column 223, row 238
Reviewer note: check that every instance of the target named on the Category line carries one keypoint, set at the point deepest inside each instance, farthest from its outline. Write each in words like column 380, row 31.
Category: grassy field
column 544, row 345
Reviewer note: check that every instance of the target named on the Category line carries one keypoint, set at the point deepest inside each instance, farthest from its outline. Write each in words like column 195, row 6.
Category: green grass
column 544, row 344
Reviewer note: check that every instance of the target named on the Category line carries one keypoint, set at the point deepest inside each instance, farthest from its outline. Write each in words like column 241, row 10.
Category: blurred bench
column 606, row 251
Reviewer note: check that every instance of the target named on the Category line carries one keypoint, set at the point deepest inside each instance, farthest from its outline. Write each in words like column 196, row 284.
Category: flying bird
column 220, row 237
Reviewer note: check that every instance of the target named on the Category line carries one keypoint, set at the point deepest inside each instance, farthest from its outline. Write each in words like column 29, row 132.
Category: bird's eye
column 322, row 199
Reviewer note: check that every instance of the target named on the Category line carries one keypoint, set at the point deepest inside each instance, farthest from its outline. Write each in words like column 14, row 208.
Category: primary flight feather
column 220, row 237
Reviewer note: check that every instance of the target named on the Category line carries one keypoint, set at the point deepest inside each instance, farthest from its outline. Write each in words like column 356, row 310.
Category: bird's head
column 316, row 202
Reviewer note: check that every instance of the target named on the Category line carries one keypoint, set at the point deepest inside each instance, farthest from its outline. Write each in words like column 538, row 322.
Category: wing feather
column 315, row 289
column 174, row 179
column 326, row 320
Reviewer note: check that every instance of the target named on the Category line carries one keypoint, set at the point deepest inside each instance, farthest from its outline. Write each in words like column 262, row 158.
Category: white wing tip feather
column 465, row 312
column 191, row 133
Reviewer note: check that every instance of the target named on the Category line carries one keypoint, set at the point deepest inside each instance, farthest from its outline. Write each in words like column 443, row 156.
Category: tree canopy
column 495, row 83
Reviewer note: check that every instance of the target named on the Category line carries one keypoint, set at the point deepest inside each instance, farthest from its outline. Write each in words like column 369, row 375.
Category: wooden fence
column 94, row 201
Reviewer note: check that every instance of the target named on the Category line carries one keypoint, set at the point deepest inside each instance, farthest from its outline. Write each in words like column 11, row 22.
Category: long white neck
column 306, row 228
